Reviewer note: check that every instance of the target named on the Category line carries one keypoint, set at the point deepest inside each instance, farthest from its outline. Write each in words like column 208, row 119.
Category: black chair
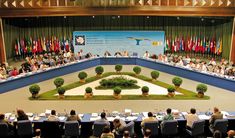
column 197, row 128
column 71, row 128
column 153, row 126
column 130, row 127
column 98, row 128
column 169, row 128
column 24, row 128
column 51, row 129
column 4, row 130
column 221, row 125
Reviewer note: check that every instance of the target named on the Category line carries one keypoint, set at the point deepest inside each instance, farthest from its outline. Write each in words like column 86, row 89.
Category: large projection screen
column 97, row 42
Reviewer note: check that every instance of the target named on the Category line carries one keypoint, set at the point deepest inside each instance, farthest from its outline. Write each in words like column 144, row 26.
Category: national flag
column 221, row 47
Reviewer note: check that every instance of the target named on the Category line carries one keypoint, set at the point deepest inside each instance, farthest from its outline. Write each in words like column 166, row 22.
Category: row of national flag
column 38, row 45
column 193, row 44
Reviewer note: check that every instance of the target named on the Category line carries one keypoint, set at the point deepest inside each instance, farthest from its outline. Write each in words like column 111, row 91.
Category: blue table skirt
column 15, row 83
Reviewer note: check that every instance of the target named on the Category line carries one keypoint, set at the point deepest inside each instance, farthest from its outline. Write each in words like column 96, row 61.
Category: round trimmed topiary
column 82, row 75
column 118, row 67
column 61, row 90
column 88, row 90
column 99, row 70
column 145, row 89
column 117, row 90
column 58, row 82
column 137, row 70
column 171, row 91
column 34, row 90
column 155, row 75
column 177, row 81
column 201, row 89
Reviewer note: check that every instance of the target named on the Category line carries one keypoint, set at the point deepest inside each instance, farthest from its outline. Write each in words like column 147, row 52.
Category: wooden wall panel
column 180, row 2
column 164, row 2
column 2, row 47
column 172, row 2
column 232, row 58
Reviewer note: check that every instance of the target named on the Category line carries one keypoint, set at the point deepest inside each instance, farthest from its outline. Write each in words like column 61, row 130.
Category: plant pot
column 145, row 94
column 171, row 94
column 117, row 96
column 82, row 81
column 118, row 72
column 88, row 95
column 153, row 80
column 34, row 96
column 177, row 87
column 98, row 75
column 61, row 96
column 200, row 94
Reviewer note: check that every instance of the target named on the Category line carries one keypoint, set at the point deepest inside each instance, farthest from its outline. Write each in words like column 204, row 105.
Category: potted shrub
column 117, row 92
column 99, row 70
column 137, row 70
column 145, row 90
column 177, row 81
column 201, row 89
column 82, row 75
column 34, row 90
column 88, row 93
column 154, row 75
column 61, row 91
column 118, row 68
column 58, row 82
column 171, row 91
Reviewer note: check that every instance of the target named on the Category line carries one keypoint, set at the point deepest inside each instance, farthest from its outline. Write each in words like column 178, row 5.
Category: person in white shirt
column 53, row 116
column 191, row 118
column 146, row 54
column 212, row 62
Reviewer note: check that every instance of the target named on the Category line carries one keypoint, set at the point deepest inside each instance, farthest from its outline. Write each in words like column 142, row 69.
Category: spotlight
column 65, row 17
column 147, row 17
column 178, row 18
column 202, row 19
column 93, row 16
column 212, row 21
column 118, row 16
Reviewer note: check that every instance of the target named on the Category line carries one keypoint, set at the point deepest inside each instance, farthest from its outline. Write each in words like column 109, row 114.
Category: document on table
column 204, row 117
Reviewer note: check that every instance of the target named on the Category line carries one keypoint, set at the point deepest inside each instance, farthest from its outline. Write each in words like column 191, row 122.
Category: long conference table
column 88, row 119
column 36, row 77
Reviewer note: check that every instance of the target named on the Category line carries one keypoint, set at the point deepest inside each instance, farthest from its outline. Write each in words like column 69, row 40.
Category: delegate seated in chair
column 191, row 118
column 107, row 133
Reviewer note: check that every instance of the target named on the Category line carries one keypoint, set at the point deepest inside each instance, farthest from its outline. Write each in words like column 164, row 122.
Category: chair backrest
column 71, row 128
column 51, row 129
column 169, row 127
column 130, row 127
column 4, row 130
column 221, row 125
column 198, row 127
column 153, row 126
column 135, row 54
column 98, row 128
column 24, row 128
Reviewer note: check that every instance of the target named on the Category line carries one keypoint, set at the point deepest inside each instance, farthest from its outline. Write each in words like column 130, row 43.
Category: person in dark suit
column 21, row 115
column 103, row 118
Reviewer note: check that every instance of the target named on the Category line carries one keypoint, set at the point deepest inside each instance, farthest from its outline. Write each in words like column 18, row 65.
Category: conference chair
column 24, row 128
column 98, row 128
column 197, row 128
column 71, row 128
column 51, row 129
column 153, row 126
column 130, row 127
column 135, row 54
column 4, row 130
column 169, row 128
column 221, row 125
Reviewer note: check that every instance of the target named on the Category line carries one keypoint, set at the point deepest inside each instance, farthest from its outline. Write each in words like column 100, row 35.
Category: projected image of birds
column 138, row 40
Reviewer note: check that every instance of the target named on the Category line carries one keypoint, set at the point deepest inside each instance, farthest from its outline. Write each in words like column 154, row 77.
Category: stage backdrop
column 97, row 42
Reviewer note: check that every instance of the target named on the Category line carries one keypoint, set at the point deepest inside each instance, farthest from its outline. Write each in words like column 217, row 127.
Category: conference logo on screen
column 80, row 40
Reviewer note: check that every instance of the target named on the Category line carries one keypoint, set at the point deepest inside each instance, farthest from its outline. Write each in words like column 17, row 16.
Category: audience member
column 217, row 134
column 150, row 118
column 73, row 116
column 126, row 134
column 216, row 115
column 52, row 116
column 146, row 54
column 21, row 115
column 147, row 133
column 107, row 133
column 191, row 118
column 37, row 133
column 103, row 119
column 168, row 115
column 231, row 134
column 118, row 126
column 3, row 120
